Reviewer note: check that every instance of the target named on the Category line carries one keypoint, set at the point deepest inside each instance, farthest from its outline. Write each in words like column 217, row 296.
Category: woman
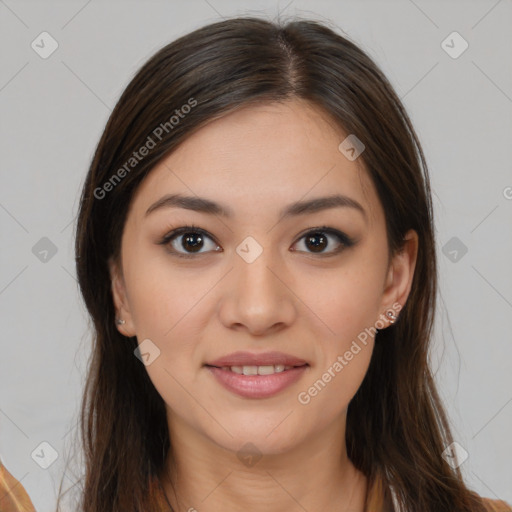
column 255, row 247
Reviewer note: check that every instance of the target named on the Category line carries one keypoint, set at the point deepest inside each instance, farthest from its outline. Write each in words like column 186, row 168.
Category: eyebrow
column 203, row 205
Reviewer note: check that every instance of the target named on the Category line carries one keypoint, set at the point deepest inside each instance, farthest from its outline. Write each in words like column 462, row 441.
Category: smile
column 257, row 370
column 257, row 381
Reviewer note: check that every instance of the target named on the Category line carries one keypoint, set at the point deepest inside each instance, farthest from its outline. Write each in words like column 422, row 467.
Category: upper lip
column 262, row 359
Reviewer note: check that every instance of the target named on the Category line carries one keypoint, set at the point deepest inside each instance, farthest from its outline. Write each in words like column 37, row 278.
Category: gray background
column 53, row 111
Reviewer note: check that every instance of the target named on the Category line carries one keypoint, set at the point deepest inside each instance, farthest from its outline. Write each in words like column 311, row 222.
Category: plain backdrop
column 53, row 111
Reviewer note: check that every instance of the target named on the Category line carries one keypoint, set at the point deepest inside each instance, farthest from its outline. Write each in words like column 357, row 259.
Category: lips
column 252, row 359
column 253, row 376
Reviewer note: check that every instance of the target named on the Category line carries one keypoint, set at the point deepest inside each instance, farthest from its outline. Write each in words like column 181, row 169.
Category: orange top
column 14, row 498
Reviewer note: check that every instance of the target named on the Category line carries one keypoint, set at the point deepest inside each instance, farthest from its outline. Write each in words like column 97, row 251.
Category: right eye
column 186, row 241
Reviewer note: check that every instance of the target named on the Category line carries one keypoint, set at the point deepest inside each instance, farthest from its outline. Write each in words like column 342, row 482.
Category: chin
column 265, row 436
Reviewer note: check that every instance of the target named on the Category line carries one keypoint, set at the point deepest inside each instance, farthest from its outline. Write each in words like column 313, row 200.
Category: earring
column 391, row 315
column 120, row 321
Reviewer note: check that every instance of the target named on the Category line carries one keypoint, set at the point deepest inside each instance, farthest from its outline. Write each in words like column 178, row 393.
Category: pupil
column 318, row 241
column 194, row 241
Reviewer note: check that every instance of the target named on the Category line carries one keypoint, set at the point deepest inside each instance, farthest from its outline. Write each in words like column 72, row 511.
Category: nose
column 256, row 297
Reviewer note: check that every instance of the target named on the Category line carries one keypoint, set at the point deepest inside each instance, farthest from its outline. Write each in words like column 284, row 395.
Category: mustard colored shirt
column 13, row 497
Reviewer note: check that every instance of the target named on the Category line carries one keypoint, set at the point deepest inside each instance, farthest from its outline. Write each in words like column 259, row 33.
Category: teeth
column 266, row 370
column 258, row 370
column 250, row 370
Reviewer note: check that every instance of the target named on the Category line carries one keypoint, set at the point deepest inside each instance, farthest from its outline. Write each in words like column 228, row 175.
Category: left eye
column 316, row 241
column 189, row 240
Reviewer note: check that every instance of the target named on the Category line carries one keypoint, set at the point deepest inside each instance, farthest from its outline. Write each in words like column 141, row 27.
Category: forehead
column 260, row 157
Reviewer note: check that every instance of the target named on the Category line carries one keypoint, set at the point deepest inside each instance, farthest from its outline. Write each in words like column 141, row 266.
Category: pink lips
column 257, row 386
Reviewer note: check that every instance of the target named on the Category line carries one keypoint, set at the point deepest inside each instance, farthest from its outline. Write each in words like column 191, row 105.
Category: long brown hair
column 396, row 425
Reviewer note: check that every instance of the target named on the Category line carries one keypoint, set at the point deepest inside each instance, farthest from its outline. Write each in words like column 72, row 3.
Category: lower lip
column 257, row 386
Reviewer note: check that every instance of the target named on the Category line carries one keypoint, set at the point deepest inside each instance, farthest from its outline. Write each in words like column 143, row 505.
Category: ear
column 120, row 300
column 400, row 275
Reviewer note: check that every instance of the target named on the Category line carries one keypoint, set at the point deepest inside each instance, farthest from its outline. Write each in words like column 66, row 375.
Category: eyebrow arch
column 200, row 204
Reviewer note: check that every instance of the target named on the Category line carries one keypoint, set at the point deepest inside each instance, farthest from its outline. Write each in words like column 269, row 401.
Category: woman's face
column 310, row 284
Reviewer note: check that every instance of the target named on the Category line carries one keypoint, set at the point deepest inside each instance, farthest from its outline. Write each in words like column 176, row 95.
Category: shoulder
column 496, row 505
column 13, row 497
column 382, row 498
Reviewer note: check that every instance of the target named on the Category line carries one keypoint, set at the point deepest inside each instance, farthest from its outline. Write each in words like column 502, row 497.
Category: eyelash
column 343, row 239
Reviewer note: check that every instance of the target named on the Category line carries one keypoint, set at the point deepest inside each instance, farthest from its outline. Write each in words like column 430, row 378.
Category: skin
column 256, row 161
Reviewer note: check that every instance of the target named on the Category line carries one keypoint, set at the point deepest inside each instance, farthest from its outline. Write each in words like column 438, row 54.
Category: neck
column 316, row 475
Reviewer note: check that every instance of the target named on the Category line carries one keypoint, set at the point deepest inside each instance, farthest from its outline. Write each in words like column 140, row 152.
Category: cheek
column 167, row 307
column 162, row 296
column 325, row 397
column 343, row 352
column 348, row 306
column 346, row 301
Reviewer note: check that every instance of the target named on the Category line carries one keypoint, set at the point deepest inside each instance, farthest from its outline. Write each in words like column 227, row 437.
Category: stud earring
column 120, row 321
column 391, row 316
